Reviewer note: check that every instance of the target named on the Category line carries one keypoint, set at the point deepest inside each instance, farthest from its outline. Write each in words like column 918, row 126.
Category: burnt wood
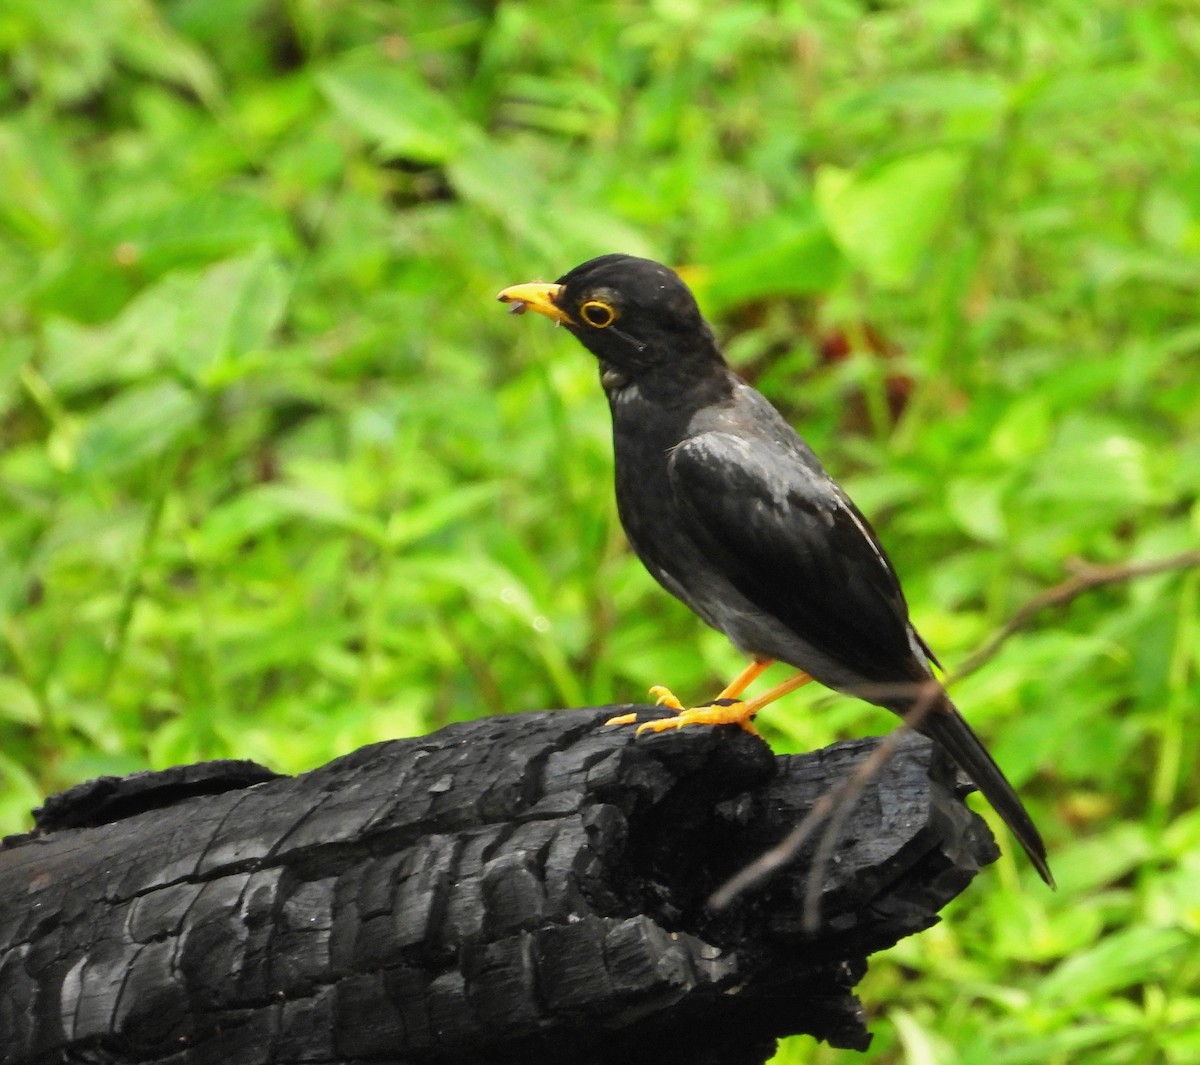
column 517, row 889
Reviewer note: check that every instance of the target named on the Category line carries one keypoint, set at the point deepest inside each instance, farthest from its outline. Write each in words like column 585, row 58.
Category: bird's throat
column 612, row 379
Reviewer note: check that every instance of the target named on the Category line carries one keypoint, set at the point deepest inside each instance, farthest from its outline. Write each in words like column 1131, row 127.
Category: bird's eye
column 598, row 313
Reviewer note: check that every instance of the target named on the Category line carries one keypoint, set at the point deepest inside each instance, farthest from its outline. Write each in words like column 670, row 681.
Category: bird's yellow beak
column 535, row 296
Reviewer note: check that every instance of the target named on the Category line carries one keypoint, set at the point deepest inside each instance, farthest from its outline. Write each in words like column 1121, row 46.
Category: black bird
column 733, row 514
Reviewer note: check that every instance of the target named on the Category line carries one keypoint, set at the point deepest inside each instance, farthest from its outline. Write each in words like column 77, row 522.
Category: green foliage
column 278, row 478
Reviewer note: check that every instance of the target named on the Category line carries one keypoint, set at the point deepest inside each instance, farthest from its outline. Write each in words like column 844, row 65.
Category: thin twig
column 1084, row 579
column 836, row 805
column 928, row 695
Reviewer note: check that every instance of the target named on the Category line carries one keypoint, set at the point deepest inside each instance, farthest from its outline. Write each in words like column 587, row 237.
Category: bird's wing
column 790, row 540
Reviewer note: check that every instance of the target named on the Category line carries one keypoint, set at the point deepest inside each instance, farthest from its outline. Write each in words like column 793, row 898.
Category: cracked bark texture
column 516, row 889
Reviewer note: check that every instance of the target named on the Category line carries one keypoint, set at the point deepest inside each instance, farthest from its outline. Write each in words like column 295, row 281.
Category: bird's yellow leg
column 745, row 678
column 796, row 680
column 725, row 709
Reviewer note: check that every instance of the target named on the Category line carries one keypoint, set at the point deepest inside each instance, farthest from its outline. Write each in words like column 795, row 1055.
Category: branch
column 1084, row 579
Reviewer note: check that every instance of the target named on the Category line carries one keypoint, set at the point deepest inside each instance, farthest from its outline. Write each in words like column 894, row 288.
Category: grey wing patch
column 778, row 528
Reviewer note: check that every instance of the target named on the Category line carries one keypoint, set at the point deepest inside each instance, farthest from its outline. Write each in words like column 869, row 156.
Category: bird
column 732, row 513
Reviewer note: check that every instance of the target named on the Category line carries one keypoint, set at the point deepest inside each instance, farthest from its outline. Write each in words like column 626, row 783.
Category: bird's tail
column 945, row 725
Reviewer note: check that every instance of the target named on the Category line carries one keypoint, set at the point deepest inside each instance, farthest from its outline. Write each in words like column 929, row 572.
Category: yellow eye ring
column 599, row 314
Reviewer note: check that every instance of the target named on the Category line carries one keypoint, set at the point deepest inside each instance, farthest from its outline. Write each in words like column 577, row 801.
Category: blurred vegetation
column 278, row 478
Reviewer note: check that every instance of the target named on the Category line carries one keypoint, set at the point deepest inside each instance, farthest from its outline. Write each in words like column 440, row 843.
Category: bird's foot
column 718, row 712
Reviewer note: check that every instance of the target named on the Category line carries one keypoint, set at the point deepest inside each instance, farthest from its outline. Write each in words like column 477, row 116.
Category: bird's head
column 635, row 315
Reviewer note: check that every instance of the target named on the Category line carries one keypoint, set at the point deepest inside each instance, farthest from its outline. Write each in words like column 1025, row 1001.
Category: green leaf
column 17, row 702
column 414, row 523
column 196, row 229
column 1095, row 460
column 508, row 186
column 1103, row 860
column 137, row 424
column 885, row 220
column 392, row 106
column 204, row 324
column 791, row 255
column 149, row 45
column 266, row 506
column 227, row 313
column 1123, row 960
column 977, row 504
column 40, row 192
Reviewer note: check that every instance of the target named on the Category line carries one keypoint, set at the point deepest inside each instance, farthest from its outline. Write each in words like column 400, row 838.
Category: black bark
column 517, row 889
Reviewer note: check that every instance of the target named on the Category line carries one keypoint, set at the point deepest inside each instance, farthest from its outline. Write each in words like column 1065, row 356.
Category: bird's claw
column 622, row 719
column 663, row 696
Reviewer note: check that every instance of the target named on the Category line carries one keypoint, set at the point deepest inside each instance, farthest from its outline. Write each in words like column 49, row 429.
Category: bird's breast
column 643, row 437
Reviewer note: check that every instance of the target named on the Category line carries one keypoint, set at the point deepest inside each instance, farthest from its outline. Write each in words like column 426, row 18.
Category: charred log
column 517, row 889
